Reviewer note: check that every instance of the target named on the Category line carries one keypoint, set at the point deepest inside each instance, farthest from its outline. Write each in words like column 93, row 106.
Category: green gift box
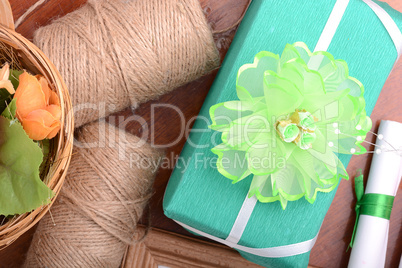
column 206, row 202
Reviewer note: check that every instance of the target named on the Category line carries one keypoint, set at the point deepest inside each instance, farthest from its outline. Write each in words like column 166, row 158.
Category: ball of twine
column 118, row 53
column 96, row 213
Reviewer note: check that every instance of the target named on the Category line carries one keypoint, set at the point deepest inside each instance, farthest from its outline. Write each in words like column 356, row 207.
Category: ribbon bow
column 376, row 205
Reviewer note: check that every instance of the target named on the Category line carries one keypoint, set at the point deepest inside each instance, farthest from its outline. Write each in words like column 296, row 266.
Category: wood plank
column 178, row 251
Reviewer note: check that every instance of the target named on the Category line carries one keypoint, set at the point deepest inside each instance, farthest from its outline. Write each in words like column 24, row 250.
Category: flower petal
column 293, row 71
column 289, row 53
column 322, row 152
column 262, row 188
column 303, row 50
column 305, row 163
column 7, row 85
column 231, row 163
column 286, row 182
column 45, row 87
column 341, row 73
column 281, row 96
column 244, row 132
column 54, row 110
column 324, row 106
column 50, row 96
column 355, row 86
column 222, row 116
column 313, row 83
column 29, row 95
column 250, row 76
column 239, row 105
column 40, row 124
column 266, row 155
column 319, row 60
column 5, row 72
column 326, row 70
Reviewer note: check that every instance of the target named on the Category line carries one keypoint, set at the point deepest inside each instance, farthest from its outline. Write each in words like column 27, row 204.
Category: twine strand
column 96, row 214
column 116, row 54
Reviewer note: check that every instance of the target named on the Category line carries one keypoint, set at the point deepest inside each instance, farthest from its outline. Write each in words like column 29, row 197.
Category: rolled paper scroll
column 370, row 242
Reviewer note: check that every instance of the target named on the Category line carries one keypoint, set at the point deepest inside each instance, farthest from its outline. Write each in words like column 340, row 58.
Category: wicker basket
column 36, row 62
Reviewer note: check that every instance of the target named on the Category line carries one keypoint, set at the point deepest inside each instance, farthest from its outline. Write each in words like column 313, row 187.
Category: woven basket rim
column 32, row 55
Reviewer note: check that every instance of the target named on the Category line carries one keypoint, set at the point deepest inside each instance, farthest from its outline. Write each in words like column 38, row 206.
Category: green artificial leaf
column 15, row 78
column 45, row 146
column 21, row 189
column 10, row 110
column 5, row 98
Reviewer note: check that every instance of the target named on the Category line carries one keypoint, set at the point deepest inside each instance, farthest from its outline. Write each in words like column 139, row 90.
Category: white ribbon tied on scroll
column 370, row 245
column 249, row 203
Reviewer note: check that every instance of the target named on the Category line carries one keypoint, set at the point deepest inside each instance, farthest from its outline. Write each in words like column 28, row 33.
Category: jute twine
column 118, row 53
column 96, row 213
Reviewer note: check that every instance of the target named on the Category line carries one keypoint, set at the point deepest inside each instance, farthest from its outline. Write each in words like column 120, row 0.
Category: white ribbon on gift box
column 249, row 203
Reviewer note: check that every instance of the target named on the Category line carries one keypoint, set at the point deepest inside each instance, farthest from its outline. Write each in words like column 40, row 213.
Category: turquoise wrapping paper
column 199, row 196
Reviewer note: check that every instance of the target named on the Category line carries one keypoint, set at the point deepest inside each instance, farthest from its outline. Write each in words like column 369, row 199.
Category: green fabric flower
column 295, row 113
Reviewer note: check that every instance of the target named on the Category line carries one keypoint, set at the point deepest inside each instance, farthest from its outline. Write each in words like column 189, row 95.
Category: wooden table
column 330, row 249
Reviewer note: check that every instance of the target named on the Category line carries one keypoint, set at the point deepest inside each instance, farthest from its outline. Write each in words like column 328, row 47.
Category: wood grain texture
column 177, row 251
column 330, row 249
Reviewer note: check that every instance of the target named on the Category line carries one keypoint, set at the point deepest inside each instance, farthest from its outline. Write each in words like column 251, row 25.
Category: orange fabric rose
column 38, row 107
